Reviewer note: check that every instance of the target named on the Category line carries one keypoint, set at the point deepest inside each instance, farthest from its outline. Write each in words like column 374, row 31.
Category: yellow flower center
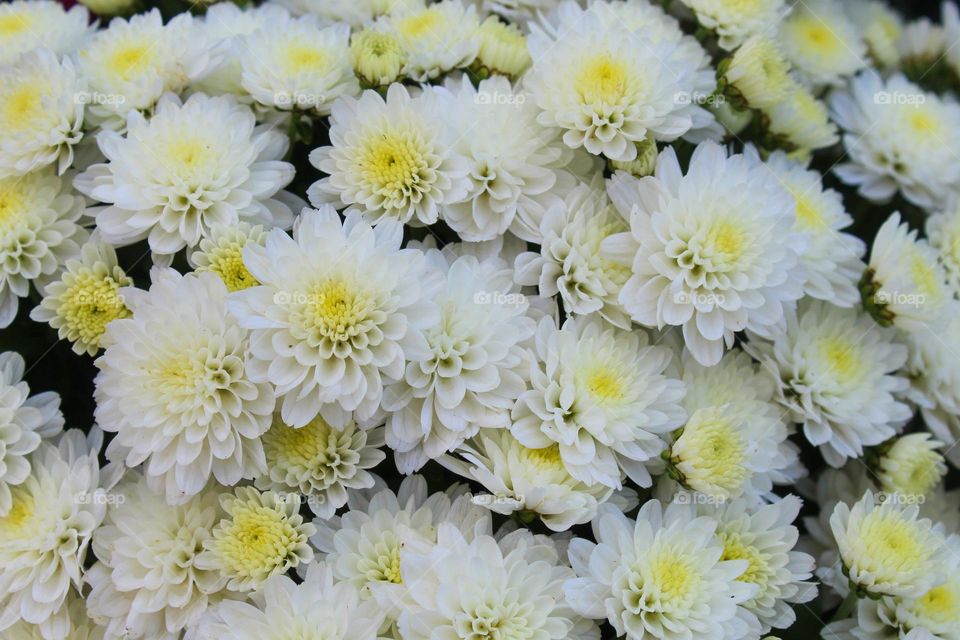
column 393, row 165
column 924, row 121
column 187, row 154
column 129, row 60
column 671, row 577
column 14, row 23
column 842, row 358
column 425, row 23
column 12, row 202
column 546, row 458
column 891, row 544
column 726, row 242
column 227, row 263
column 257, row 541
column 90, row 304
column 602, row 80
column 757, row 571
column 338, row 310
column 20, row 514
column 811, row 32
column 300, row 58
column 604, row 386
column 313, row 444
column 711, row 453
column 925, row 277
column 808, row 213
column 22, row 106
column 941, row 604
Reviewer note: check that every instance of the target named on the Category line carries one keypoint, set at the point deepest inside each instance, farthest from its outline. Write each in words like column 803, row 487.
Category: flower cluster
column 479, row 320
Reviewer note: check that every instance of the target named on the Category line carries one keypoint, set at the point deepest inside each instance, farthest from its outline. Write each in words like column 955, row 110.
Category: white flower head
column 881, row 29
column 261, row 535
column 435, row 38
column 39, row 231
column 175, row 385
column 26, row 25
column 736, row 21
column 24, row 421
column 503, row 48
column 221, row 252
column 294, row 64
column 601, row 395
column 391, row 158
column 886, row 549
column 320, row 462
column 340, row 311
column 188, row 167
column 713, row 251
column 662, row 576
column 898, row 136
column 801, row 122
column 760, row 73
column 910, row 465
column 943, row 234
column 822, row 42
column 376, row 55
column 41, row 113
column 836, row 373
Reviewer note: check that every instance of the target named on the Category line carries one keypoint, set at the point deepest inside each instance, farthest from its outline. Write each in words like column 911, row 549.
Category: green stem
column 847, row 606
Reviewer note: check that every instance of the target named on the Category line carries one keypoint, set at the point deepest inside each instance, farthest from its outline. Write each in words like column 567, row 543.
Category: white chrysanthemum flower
column 221, row 252
column 39, row 231
column 950, row 17
column 86, row 298
column 45, row 535
column 340, row 311
column 190, row 166
column 736, row 21
column 943, row 234
column 129, row 65
column 765, row 537
column 318, row 607
column 713, row 251
column 262, row 535
column 24, row 420
column 898, row 136
column 880, row 27
column 802, row 122
column 662, row 576
column 147, row 583
column 759, row 72
column 921, row 44
column 296, row 64
column 364, row 545
column 320, row 462
column 78, row 626
column 832, row 260
column 175, row 385
column 502, row 49
column 391, row 158
column 435, row 38
column 886, row 549
column 610, row 88
column 728, row 450
column 515, row 174
column 41, row 113
column 475, row 368
column 514, row 590
column 376, row 55
column 835, row 371
column 570, row 261
column 904, row 284
column 910, row 465
column 26, row 25
column 600, row 394
column 533, row 482
column 822, row 43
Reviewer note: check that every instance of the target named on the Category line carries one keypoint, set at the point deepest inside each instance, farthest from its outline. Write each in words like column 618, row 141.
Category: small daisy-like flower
column 662, row 576
column 713, row 251
column 26, row 25
column 24, row 420
column 262, row 535
column 38, row 233
column 943, row 234
column 904, row 284
column 377, row 56
column 75, row 625
column 221, row 252
column 188, row 167
column 435, row 38
column 320, row 462
column 513, row 176
column 832, row 260
column 570, row 261
column 475, row 368
column 175, row 386
column 822, row 43
column 147, row 583
column 389, row 158
column 727, row 450
column 295, row 64
column 131, row 63
column 736, row 21
column 835, row 371
column 600, row 394
column 340, row 310
column 41, row 113
column 318, row 607
column 886, row 549
column 759, row 72
column 921, row 45
column 45, row 535
column 514, row 591
column 910, row 465
column 881, row 28
column 503, row 48
column 86, row 298
column 898, row 137
column 533, row 482
column 802, row 121
column 609, row 87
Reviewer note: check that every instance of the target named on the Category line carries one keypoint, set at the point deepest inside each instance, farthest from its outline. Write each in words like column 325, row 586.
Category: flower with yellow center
column 661, row 576
column 320, row 462
column 881, row 28
column 262, row 535
column 734, row 21
column 600, row 394
column 943, row 233
column 86, row 298
column 822, row 43
column 435, row 38
column 28, row 25
column 801, row 122
column 886, row 549
column 389, row 159
column 377, row 56
column 759, row 72
column 503, row 49
column 222, row 253
column 911, row 465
